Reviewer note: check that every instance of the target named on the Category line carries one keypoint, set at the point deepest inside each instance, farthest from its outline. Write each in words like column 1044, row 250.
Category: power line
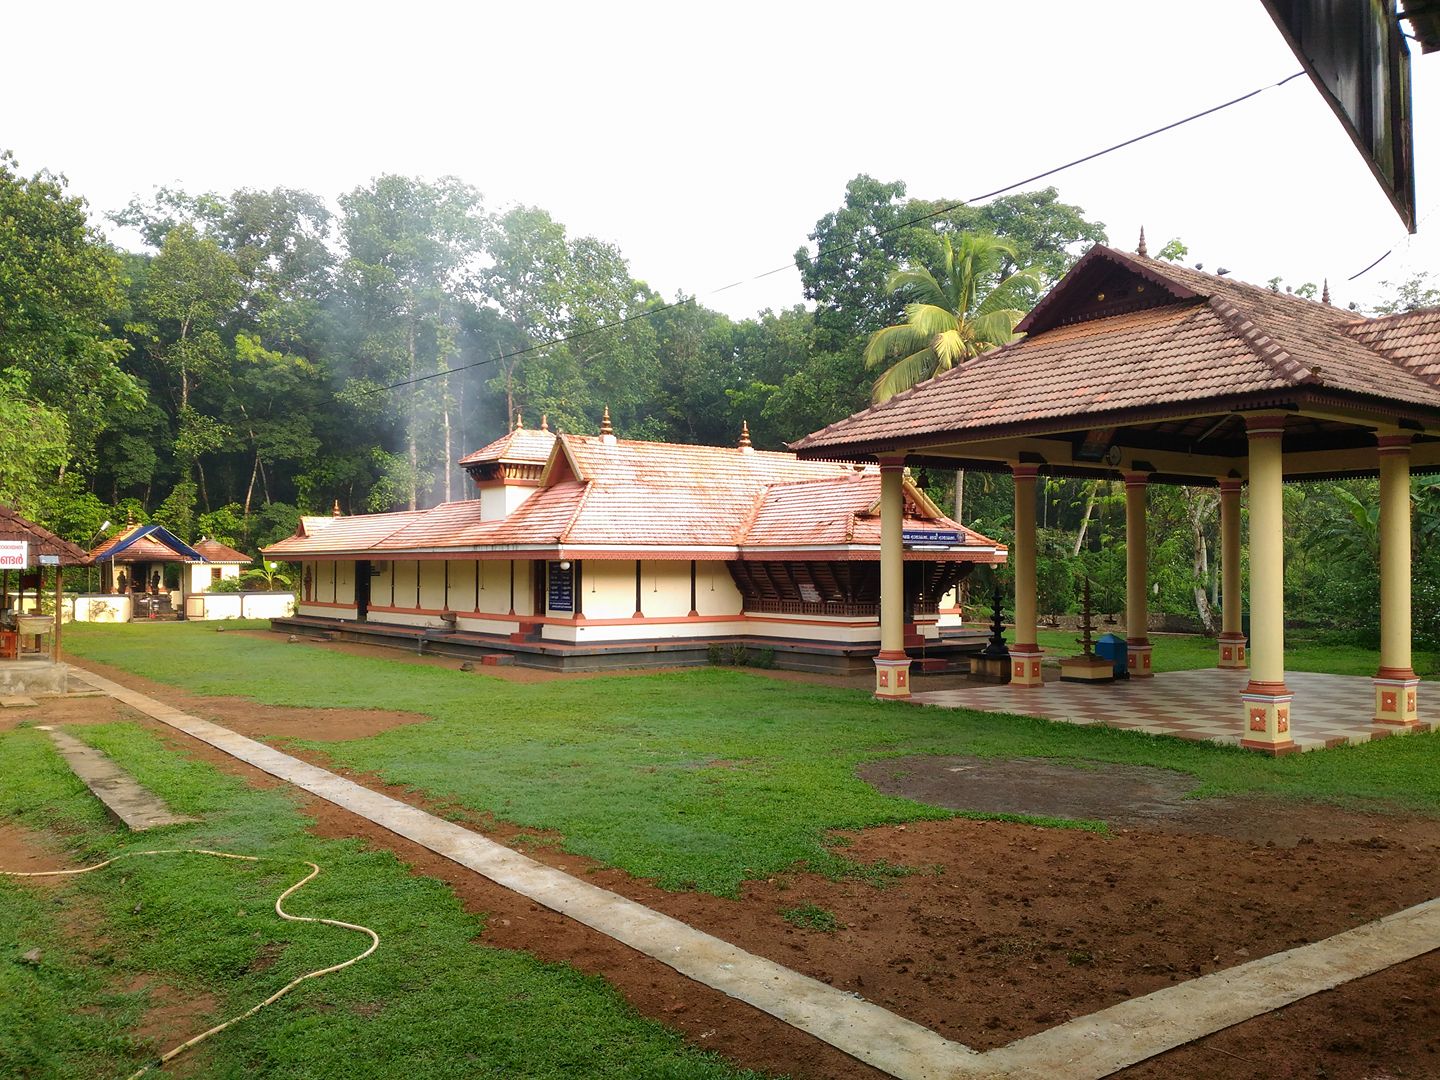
column 852, row 245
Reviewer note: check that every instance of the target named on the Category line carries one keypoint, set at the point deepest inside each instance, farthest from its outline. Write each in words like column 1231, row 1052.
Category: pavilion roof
column 42, row 541
column 216, row 552
column 525, row 445
column 145, row 543
column 628, row 498
column 1124, row 338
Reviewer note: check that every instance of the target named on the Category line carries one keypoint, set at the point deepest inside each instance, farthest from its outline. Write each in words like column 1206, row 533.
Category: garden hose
column 279, row 910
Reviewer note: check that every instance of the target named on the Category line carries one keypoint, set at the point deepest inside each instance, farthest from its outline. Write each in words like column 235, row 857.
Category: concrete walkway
column 135, row 807
column 1087, row 1048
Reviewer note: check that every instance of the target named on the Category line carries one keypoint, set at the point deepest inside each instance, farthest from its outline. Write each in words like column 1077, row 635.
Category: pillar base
column 1266, row 708
column 1395, row 698
column 1137, row 658
column 1231, row 651
column 1025, row 665
column 892, row 677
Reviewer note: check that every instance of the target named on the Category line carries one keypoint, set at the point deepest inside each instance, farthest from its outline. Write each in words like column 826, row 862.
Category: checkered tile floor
column 1329, row 710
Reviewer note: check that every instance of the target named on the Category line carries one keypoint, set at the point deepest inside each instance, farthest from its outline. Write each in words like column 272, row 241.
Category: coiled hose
column 175, row 1052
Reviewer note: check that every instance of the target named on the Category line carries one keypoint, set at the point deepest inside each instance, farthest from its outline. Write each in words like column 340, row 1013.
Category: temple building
column 1138, row 369
column 582, row 552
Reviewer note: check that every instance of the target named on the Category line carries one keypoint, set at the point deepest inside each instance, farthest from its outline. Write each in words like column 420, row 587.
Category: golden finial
column 519, row 420
column 744, row 435
column 1141, row 249
column 544, row 421
column 605, row 426
column 335, row 510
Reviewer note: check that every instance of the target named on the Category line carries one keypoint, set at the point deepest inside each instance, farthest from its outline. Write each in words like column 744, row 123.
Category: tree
column 412, row 252
column 59, row 284
column 968, row 307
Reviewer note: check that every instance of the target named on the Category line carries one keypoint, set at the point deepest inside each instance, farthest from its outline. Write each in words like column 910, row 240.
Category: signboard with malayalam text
column 14, row 554
column 932, row 537
column 562, row 586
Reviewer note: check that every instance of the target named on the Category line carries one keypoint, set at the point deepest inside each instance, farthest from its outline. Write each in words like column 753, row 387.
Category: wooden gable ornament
column 1104, row 282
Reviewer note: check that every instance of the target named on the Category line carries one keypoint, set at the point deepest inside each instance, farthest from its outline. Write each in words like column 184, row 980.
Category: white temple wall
column 432, row 585
column 203, row 575
column 607, row 588
column 462, row 584
column 715, row 590
column 664, row 589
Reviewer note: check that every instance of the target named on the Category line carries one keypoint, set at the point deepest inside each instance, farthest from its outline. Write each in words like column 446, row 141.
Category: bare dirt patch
column 1000, row 930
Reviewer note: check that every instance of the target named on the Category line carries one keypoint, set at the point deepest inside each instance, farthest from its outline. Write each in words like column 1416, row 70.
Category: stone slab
column 17, row 701
column 135, row 807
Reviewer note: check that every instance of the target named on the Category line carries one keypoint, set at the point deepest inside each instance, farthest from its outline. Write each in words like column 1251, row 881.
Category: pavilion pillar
column 892, row 666
column 1137, row 587
column 1266, row 699
column 1396, row 684
column 1232, row 639
column 1025, row 654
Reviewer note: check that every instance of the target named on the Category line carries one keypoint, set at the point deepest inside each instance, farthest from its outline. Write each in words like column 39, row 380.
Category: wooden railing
column 835, row 608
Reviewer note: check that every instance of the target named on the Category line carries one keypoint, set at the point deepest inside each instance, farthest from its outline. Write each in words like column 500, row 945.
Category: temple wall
column 462, row 585
column 607, row 588
column 664, row 589
column 202, row 575
column 432, row 585
column 715, row 590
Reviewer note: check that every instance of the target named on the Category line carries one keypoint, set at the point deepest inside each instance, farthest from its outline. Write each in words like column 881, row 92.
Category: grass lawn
column 699, row 779
column 429, row 1003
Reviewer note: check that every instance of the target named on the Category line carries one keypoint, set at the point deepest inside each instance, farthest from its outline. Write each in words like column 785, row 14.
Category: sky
column 706, row 140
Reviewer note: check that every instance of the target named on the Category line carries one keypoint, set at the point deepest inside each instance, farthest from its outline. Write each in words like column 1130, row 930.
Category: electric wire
column 649, row 313
column 176, row 1051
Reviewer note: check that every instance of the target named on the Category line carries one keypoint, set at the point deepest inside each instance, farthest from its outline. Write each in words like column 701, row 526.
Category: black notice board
column 561, row 577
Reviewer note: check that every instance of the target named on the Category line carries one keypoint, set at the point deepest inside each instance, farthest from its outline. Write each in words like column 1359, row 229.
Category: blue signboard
column 561, row 577
column 932, row 536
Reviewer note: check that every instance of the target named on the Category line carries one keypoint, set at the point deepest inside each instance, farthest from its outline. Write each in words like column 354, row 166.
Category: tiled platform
column 1329, row 710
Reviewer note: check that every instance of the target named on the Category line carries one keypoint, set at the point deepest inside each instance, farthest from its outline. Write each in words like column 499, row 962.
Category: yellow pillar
column 1232, row 640
column 1396, row 685
column 1137, row 586
column 1025, row 654
column 1266, row 699
column 892, row 666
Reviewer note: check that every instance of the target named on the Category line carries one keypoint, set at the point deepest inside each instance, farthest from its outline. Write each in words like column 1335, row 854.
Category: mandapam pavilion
column 1140, row 369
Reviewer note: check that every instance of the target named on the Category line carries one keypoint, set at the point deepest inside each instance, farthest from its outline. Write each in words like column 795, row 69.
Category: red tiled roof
column 147, row 549
column 523, row 445
column 216, row 552
column 1225, row 340
column 642, row 496
column 41, row 540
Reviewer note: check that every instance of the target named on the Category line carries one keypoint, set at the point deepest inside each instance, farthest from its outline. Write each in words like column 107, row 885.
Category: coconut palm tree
column 952, row 315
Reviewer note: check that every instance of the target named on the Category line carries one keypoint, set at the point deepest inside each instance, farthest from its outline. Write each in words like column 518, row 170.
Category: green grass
column 812, row 917
column 1303, row 652
column 705, row 778
column 431, row 1002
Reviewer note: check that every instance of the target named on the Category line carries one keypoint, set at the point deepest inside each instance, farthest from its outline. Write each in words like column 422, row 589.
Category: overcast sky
column 705, row 140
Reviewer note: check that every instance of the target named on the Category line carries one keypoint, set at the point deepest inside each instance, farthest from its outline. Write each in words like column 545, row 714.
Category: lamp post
column 89, row 570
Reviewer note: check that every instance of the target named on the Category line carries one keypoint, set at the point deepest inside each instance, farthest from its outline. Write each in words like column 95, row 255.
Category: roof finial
column 519, row 420
column 1141, row 249
column 745, row 435
column 544, row 421
column 129, row 515
column 607, row 431
column 335, row 510
column 1325, row 293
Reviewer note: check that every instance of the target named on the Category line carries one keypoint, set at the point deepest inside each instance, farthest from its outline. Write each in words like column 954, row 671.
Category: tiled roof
column 216, row 552
column 359, row 532
column 825, row 513
column 523, row 444
column 144, row 543
column 1220, row 340
column 639, row 496
column 41, row 540
column 148, row 549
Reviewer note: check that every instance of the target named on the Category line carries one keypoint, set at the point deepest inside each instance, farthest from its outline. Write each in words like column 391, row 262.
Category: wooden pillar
column 639, row 607
column 1266, row 699
column 55, row 637
column 1137, row 578
column 1396, row 684
column 892, row 666
column 1231, row 646
column 1025, row 654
